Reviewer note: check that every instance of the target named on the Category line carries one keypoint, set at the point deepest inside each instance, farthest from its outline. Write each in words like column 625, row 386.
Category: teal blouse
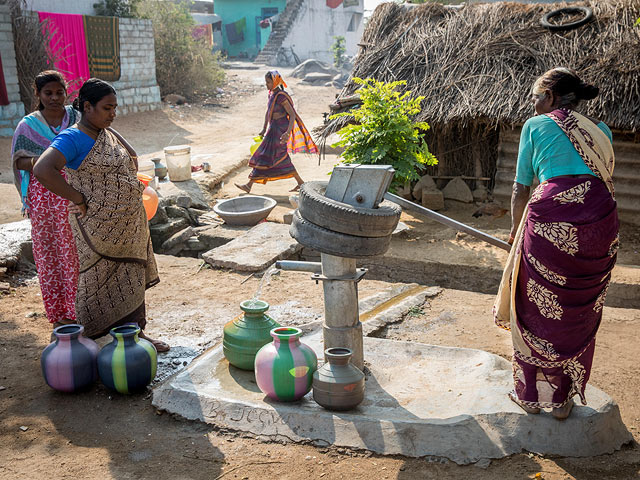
column 546, row 152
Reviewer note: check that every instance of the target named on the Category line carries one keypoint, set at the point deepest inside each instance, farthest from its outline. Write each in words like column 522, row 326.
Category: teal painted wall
column 232, row 10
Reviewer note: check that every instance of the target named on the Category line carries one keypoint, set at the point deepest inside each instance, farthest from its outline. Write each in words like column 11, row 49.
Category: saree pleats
column 113, row 242
column 567, row 252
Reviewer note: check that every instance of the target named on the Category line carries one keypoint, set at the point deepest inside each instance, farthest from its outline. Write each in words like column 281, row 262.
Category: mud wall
column 316, row 25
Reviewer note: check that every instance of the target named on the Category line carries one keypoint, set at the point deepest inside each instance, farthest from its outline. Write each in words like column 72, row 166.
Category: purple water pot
column 69, row 363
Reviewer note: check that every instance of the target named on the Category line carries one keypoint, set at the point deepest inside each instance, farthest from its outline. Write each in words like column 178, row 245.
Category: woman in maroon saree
column 285, row 134
column 565, row 241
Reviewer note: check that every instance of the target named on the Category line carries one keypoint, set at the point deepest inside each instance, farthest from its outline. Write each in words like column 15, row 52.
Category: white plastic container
column 178, row 160
column 146, row 167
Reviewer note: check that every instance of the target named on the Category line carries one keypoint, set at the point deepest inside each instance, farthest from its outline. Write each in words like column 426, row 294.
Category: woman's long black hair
column 92, row 91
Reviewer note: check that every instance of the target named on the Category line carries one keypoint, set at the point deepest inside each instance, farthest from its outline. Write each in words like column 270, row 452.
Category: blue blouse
column 74, row 145
column 546, row 151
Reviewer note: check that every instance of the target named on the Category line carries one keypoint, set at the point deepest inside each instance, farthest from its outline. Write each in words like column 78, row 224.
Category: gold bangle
column 33, row 161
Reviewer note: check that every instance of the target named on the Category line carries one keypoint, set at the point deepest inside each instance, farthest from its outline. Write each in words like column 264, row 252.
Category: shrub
column 338, row 48
column 116, row 8
column 184, row 65
column 385, row 132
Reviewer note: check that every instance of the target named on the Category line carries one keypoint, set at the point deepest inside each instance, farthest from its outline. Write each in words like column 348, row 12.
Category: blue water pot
column 127, row 364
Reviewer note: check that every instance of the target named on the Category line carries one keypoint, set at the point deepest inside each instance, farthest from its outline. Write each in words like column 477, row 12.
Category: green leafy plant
column 637, row 22
column 338, row 48
column 385, row 132
column 184, row 65
column 116, row 8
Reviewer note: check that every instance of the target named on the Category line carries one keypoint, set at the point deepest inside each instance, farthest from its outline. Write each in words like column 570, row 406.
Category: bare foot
column 244, row 188
column 295, row 189
column 64, row 321
column 159, row 344
column 563, row 412
column 514, row 399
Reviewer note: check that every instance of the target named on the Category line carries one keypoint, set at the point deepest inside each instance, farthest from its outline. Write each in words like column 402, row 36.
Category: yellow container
column 256, row 143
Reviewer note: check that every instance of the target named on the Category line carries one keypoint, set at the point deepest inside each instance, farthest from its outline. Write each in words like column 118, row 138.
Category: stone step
column 256, row 250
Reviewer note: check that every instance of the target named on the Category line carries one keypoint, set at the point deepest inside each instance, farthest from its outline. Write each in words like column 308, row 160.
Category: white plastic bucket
column 146, row 167
column 178, row 160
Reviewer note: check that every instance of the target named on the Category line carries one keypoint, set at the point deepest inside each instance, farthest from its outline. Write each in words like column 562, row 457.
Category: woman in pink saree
column 565, row 239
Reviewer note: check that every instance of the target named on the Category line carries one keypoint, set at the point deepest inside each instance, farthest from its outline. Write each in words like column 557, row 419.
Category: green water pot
column 246, row 334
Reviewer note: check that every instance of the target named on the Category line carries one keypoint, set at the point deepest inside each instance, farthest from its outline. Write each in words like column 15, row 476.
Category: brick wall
column 10, row 114
column 137, row 88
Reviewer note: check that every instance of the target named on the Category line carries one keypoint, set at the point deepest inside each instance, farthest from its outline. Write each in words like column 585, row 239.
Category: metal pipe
column 342, row 327
column 313, row 267
column 450, row 222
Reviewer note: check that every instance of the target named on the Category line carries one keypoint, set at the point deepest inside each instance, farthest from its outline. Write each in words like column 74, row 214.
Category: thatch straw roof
column 479, row 61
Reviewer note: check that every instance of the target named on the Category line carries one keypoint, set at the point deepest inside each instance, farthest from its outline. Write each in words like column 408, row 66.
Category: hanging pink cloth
column 69, row 47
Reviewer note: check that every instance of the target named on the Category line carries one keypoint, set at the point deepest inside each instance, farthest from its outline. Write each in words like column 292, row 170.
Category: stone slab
column 15, row 242
column 177, row 239
column 171, row 191
column 420, row 400
column 160, row 233
column 217, row 235
column 256, row 249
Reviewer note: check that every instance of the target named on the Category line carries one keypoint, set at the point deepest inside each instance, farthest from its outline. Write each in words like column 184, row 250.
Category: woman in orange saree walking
column 285, row 133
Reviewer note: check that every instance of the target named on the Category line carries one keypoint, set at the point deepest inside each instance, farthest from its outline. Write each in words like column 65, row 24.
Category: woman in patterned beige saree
column 565, row 239
column 107, row 216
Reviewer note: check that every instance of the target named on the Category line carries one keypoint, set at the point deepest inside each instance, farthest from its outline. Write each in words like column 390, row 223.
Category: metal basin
column 246, row 210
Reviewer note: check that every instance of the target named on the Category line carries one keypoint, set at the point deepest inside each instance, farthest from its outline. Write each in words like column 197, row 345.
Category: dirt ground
column 99, row 434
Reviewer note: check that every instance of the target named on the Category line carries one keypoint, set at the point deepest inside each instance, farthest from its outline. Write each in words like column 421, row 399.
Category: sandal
column 244, row 188
column 531, row 410
column 561, row 413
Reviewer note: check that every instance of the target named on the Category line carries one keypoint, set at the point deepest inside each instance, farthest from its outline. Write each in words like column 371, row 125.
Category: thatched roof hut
column 476, row 64
column 481, row 60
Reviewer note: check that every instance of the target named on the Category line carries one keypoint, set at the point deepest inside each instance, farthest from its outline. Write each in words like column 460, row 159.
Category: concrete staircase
column 268, row 54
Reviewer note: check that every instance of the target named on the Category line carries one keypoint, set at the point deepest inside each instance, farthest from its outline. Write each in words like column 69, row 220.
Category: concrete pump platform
column 421, row 400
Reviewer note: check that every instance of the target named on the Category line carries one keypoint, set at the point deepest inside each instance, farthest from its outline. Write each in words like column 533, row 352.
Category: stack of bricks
column 10, row 114
column 137, row 88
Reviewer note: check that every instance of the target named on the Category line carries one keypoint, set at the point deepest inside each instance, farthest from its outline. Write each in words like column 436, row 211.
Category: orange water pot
column 149, row 196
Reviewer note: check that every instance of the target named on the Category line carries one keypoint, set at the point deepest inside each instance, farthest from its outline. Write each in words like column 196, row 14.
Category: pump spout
column 313, row 267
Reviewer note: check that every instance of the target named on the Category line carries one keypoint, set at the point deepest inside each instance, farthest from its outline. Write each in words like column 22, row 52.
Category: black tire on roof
column 585, row 11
